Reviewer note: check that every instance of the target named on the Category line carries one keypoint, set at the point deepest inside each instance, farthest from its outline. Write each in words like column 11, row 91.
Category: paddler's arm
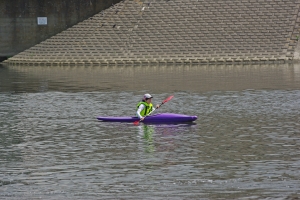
column 157, row 106
column 139, row 110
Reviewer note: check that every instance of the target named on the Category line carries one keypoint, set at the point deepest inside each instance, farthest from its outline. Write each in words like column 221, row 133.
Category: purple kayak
column 168, row 118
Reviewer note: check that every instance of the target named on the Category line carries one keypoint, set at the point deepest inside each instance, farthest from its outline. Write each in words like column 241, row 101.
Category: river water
column 244, row 145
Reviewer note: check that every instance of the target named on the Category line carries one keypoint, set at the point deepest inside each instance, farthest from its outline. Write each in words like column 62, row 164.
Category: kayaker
column 145, row 107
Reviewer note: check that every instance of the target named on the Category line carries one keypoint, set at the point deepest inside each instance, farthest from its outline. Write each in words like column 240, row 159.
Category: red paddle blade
column 136, row 122
column 168, row 99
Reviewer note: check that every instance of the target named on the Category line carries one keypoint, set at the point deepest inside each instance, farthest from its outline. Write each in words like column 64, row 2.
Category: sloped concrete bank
column 150, row 32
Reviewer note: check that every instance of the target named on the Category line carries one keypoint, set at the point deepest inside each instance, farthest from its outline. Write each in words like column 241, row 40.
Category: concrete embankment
column 25, row 23
column 176, row 31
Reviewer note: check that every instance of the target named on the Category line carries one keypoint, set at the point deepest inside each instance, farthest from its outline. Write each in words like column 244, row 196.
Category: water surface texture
column 244, row 145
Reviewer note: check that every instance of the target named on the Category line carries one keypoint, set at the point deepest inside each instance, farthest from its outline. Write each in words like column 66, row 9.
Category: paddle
column 164, row 101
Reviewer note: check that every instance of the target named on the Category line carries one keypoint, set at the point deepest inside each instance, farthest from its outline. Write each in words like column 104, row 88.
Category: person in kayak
column 145, row 107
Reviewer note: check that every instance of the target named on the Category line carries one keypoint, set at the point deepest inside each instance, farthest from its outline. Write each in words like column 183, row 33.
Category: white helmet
column 147, row 96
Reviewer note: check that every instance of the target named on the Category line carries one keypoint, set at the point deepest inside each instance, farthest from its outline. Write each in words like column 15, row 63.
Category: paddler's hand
column 141, row 119
column 157, row 106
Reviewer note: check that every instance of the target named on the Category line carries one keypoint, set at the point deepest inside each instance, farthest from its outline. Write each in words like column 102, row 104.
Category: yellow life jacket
column 148, row 108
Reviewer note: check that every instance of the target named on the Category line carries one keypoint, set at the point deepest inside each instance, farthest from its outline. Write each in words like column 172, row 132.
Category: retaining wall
column 19, row 28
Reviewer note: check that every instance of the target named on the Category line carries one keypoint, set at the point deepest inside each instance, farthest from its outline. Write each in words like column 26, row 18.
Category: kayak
column 157, row 118
column 168, row 118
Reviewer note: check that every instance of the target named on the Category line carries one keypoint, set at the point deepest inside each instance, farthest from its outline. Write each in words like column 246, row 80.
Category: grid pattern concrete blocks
column 177, row 31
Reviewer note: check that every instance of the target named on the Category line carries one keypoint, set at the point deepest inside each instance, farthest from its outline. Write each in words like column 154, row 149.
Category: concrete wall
column 19, row 27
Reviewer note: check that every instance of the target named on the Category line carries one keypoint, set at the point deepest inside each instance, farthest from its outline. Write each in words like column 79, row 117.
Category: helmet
column 147, row 96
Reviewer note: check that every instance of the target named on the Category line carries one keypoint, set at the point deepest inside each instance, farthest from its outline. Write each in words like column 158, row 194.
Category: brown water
column 244, row 145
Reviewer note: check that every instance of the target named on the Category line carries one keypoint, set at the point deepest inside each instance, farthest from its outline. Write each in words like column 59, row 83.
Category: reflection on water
column 157, row 79
column 146, row 132
column 244, row 145
column 160, row 137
